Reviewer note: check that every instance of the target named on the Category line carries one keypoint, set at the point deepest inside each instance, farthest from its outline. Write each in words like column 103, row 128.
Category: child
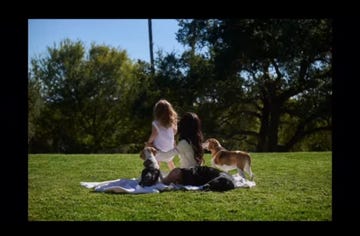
column 164, row 128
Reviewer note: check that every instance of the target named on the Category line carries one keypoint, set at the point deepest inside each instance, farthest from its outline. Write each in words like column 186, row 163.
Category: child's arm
column 175, row 131
column 152, row 137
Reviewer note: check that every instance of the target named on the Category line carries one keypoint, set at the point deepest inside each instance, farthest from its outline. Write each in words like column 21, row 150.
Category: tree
column 84, row 98
column 35, row 106
column 266, row 70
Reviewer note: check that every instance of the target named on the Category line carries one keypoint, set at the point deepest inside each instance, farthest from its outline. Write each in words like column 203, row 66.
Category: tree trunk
column 270, row 119
column 273, row 127
column 264, row 126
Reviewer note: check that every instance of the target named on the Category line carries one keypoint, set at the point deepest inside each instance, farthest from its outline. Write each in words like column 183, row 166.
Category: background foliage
column 257, row 85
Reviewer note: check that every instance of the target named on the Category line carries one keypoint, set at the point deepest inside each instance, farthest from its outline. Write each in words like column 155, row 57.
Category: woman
column 189, row 147
column 191, row 155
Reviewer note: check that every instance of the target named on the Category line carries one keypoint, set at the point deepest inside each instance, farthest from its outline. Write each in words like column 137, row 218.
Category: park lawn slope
column 289, row 187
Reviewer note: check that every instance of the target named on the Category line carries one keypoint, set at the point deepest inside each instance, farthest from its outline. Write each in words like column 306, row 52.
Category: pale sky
column 131, row 35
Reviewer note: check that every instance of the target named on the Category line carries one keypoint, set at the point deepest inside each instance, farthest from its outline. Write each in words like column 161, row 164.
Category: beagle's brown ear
column 153, row 150
column 147, row 144
column 142, row 155
column 211, row 144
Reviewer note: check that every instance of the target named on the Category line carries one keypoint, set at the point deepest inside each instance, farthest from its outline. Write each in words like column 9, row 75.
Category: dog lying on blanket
column 208, row 177
column 228, row 160
column 151, row 173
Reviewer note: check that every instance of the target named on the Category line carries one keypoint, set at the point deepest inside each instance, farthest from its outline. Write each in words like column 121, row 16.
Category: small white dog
column 151, row 173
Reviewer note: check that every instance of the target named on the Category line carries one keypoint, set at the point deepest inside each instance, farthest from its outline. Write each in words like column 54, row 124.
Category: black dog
column 151, row 173
column 223, row 182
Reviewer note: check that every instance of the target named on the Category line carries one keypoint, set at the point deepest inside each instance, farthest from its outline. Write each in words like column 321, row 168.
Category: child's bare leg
column 171, row 165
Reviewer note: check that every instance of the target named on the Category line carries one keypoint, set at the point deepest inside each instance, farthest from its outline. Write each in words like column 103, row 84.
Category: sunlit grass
column 290, row 187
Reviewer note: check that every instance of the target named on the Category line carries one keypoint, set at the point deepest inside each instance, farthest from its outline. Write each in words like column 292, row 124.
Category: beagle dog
column 228, row 160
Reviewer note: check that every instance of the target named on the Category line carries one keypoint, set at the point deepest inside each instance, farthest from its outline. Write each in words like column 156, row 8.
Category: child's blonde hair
column 165, row 113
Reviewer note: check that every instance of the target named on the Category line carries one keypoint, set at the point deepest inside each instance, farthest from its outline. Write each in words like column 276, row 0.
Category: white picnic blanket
column 132, row 186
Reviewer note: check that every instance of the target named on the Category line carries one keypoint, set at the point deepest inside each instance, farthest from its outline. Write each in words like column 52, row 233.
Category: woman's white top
column 185, row 152
column 164, row 141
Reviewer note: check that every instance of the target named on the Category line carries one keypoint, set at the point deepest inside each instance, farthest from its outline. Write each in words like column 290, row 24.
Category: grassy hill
column 289, row 187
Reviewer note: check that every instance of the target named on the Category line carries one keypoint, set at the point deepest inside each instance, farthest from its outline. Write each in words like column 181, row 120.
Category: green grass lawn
column 289, row 187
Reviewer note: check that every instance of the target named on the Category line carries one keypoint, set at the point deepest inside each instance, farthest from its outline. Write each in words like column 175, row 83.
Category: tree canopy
column 257, row 85
column 270, row 76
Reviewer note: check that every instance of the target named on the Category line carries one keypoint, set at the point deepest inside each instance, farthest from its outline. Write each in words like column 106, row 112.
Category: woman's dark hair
column 189, row 128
